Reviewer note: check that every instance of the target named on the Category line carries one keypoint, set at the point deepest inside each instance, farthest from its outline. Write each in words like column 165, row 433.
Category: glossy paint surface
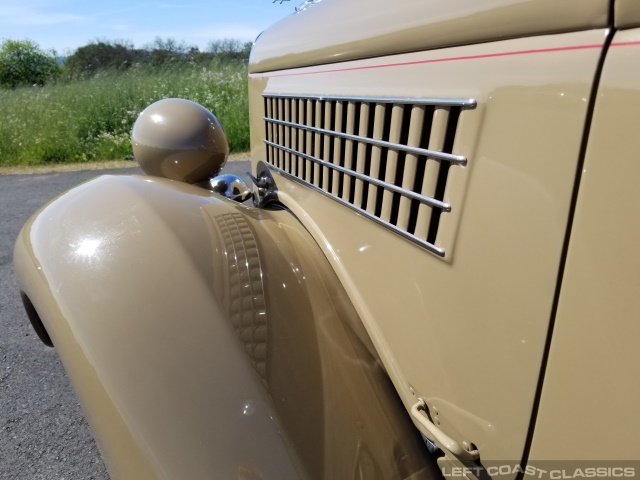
column 627, row 13
column 179, row 139
column 210, row 340
column 593, row 363
column 340, row 30
column 467, row 334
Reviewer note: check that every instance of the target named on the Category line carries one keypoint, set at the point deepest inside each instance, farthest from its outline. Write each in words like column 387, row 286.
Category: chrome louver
column 387, row 158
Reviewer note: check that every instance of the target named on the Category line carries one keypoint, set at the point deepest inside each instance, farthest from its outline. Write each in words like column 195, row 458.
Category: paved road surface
column 43, row 433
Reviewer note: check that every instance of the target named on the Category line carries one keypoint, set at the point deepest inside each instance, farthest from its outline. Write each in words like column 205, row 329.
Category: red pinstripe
column 450, row 59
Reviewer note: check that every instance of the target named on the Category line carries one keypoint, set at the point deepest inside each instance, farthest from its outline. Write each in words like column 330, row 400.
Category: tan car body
column 225, row 358
column 508, row 336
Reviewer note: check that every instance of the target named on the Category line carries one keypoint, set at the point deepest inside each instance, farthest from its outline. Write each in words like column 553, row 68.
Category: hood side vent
column 387, row 158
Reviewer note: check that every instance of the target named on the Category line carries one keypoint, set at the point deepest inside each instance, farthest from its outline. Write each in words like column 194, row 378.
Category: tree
column 23, row 62
column 99, row 55
column 229, row 49
column 164, row 52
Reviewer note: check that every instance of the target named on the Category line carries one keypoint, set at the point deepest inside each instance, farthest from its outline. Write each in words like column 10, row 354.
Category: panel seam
column 565, row 248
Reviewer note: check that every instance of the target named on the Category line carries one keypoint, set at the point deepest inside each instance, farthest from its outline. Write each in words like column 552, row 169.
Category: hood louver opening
column 387, row 158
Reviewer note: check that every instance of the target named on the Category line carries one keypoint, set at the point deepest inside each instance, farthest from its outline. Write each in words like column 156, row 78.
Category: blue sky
column 64, row 25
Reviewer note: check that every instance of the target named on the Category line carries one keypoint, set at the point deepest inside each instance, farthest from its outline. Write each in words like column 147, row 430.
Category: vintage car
column 437, row 273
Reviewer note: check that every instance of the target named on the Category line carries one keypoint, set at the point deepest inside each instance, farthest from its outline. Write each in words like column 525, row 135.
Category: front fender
column 207, row 339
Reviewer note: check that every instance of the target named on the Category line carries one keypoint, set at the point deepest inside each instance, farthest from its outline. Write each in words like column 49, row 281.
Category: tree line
column 23, row 62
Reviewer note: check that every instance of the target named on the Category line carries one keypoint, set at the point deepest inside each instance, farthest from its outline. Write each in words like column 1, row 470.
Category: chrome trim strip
column 437, row 102
column 447, row 157
column 423, row 243
column 432, row 202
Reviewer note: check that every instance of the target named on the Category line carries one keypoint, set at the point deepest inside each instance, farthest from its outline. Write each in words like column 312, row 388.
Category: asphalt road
column 43, row 433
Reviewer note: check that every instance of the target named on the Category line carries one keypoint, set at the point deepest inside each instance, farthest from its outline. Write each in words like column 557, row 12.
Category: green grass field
column 91, row 119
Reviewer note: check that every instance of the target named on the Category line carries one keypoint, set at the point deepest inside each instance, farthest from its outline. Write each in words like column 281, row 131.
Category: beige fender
column 206, row 339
